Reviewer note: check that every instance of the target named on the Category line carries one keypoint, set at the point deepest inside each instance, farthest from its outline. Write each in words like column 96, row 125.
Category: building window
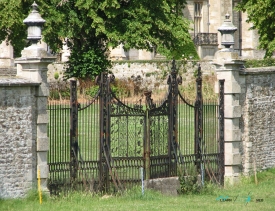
column 197, row 17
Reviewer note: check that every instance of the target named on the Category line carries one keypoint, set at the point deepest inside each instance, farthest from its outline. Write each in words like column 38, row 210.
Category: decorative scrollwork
column 111, row 78
column 149, row 101
column 119, row 108
column 199, row 73
column 179, row 80
column 97, row 80
column 172, row 78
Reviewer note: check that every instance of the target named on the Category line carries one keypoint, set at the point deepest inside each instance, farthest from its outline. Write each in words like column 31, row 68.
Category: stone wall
column 153, row 74
column 258, row 123
column 17, row 136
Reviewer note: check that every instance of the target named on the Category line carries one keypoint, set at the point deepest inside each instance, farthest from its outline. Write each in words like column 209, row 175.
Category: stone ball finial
column 34, row 22
column 227, row 16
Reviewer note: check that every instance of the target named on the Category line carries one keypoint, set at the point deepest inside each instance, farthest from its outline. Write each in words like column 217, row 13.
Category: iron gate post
column 99, row 80
column 104, row 135
column 73, row 132
column 173, row 82
column 199, row 125
column 149, row 105
column 221, row 131
column 147, row 147
column 107, row 164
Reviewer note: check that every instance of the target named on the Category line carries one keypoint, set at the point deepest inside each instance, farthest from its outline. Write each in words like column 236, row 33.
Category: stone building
column 206, row 17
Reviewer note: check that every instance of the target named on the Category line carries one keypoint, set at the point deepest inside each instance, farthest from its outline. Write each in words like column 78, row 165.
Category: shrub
column 59, row 90
column 92, row 91
column 121, row 88
column 189, row 180
column 189, row 185
column 260, row 62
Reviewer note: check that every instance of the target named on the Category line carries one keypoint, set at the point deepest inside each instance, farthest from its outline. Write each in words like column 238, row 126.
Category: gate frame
column 106, row 164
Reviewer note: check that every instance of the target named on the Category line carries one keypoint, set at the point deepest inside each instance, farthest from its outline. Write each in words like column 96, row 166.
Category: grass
column 134, row 200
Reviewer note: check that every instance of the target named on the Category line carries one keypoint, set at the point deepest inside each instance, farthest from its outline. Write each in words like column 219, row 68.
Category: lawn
column 239, row 197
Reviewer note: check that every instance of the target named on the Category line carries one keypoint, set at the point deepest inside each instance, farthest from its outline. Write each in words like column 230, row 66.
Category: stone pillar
column 117, row 53
column 6, row 59
column 65, row 52
column 145, row 55
column 227, row 67
column 33, row 66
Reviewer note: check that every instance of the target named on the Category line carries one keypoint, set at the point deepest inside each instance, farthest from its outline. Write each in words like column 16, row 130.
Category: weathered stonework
column 6, row 60
column 33, row 66
column 152, row 74
column 17, row 136
column 258, row 122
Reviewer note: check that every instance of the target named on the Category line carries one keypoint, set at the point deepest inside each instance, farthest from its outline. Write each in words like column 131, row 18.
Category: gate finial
column 173, row 65
column 149, row 101
column 199, row 70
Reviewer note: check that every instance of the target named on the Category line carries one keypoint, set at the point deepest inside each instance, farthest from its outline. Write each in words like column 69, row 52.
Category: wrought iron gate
column 113, row 140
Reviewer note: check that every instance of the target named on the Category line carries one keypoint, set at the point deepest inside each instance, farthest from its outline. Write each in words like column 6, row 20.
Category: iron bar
column 73, row 132
column 147, row 147
column 199, row 124
column 221, row 131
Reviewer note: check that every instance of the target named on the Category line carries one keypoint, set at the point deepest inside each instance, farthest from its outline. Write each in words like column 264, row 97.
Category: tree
column 93, row 26
column 262, row 14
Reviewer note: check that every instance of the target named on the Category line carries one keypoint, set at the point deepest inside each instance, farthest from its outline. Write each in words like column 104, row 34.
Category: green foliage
column 86, row 63
column 135, row 193
column 154, row 201
column 56, row 75
column 190, row 51
column 148, row 74
column 266, row 175
column 120, row 88
column 92, row 91
column 33, row 195
column 58, row 94
column 12, row 14
column 267, row 62
column 189, row 185
column 90, row 28
column 189, row 181
column 262, row 14
column 208, row 89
